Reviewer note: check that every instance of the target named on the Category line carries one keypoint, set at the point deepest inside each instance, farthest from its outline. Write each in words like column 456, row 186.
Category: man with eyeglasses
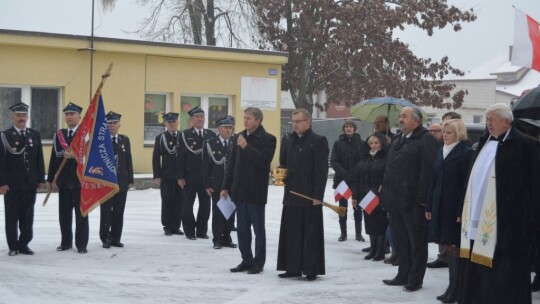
column 436, row 131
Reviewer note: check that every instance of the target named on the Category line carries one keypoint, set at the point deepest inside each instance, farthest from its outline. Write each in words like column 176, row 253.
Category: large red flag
column 96, row 165
column 526, row 48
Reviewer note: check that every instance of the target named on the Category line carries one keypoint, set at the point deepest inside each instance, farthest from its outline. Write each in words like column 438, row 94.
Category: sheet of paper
column 226, row 206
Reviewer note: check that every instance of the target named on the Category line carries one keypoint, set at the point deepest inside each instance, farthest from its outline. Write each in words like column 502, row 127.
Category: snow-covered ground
column 154, row 268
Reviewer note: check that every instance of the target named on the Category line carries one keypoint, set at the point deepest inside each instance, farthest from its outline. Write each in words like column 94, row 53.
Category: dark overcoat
column 345, row 155
column 247, row 172
column 369, row 173
column 409, row 166
column 517, row 171
column 446, row 192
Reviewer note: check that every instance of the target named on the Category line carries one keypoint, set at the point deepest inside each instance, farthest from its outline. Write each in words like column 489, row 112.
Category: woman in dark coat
column 345, row 155
column 369, row 174
column 445, row 197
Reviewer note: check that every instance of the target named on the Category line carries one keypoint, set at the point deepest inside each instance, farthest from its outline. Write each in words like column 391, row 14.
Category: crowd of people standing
column 480, row 206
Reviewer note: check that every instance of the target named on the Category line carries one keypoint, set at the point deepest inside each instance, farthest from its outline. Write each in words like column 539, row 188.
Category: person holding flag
column 369, row 174
column 346, row 153
column 112, row 211
column 69, row 185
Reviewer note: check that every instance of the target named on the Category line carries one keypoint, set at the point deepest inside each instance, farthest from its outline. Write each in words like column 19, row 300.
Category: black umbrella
column 528, row 106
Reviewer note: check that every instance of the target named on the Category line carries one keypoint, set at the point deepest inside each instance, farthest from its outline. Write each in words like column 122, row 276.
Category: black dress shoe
column 190, row 237
column 535, row 285
column 167, row 232
column 217, row 246
column 13, row 253
column 82, row 251
column 62, row 248
column 178, row 232
column 117, row 244
column 255, row 270
column 311, row 278
column 289, row 275
column 240, row 268
column 411, row 288
column 106, row 245
column 26, row 251
column 202, row 236
column 437, row 264
column 230, row 245
column 394, row 282
column 367, row 249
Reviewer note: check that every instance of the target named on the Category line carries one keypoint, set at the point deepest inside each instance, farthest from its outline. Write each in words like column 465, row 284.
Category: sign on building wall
column 259, row 92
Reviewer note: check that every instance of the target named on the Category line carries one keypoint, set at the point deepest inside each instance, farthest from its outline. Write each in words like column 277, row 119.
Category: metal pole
column 92, row 51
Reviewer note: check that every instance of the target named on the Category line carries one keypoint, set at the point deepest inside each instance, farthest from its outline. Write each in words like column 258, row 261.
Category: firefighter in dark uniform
column 69, row 186
column 22, row 172
column 189, row 172
column 112, row 211
column 214, row 156
column 164, row 167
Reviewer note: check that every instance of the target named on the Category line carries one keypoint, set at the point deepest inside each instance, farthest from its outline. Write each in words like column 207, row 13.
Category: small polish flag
column 342, row 191
column 369, row 202
column 526, row 47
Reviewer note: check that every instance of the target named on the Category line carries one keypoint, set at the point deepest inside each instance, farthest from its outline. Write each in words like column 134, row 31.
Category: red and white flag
column 369, row 202
column 526, row 48
column 342, row 191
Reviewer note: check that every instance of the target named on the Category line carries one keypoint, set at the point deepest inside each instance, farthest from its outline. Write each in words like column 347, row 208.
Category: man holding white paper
column 214, row 157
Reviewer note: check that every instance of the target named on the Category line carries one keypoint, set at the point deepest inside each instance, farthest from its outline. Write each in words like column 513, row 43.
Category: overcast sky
column 478, row 42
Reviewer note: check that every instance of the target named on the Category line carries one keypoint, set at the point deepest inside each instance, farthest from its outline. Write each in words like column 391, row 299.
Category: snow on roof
column 530, row 80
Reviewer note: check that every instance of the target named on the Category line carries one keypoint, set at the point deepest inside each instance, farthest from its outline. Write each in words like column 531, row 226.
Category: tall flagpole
column 92, row 51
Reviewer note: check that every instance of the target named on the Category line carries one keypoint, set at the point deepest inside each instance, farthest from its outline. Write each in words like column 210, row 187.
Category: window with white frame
column 155, row 104
column 44, row 102
column 214, row 106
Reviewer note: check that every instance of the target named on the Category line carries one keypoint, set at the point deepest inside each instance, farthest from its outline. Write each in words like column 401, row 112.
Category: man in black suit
column 189, row 173
column 246, row 181
column 112, row 211
column 214, row 158
column 409, row 168
column 22, row 172
column 164, row 167
column 69, row 186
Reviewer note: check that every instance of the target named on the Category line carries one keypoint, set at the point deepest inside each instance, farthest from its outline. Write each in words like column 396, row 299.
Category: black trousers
column 203, row 214
column 112, row 218
column 221, row 227
column 171, row 200
column 409, row 230
column 70, row 201
column 19, row 210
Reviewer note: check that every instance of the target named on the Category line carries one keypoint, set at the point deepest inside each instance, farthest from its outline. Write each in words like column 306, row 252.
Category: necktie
column 200, row 134
column 225, row 143
column 114, row 144
column 70, row 136
column 23, row 135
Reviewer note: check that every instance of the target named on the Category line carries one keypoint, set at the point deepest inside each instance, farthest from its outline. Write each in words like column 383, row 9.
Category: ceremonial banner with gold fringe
column 96, row 164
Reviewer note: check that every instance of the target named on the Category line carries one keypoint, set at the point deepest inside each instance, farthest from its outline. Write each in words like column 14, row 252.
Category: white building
column 493, row 82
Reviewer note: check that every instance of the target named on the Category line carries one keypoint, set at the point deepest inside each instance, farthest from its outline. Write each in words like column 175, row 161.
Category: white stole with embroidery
column 479, row 217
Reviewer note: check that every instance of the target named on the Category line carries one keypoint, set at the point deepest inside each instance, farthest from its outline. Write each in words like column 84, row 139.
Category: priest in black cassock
column 500, row 212
column 301, row 239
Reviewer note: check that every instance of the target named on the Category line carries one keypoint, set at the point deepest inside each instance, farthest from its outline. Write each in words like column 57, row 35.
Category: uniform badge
column 219, row 152
column 194, row 143
column 170, row 143
column 16, row 143
column 30, row 140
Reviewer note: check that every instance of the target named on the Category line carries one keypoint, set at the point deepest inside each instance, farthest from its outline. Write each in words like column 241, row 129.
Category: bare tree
column 347, row 48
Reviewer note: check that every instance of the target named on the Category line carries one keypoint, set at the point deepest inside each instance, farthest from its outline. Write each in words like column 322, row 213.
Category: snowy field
column 154, row 268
